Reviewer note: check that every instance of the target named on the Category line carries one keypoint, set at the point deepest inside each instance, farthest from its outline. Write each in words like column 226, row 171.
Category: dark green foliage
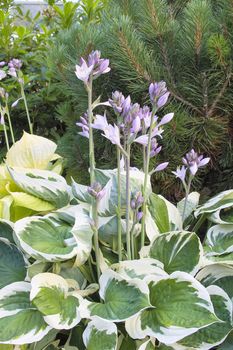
column 186, row 43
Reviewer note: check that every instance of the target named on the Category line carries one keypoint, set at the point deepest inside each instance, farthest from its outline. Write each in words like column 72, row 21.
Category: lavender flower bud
column 2, row 63
column 139, row 216
column 180, row 173
column 117, row 101
column 15, row 63
column 2, row 74
column 161, row 167
column 96, row 191
column 137, row 201
column 158, row 94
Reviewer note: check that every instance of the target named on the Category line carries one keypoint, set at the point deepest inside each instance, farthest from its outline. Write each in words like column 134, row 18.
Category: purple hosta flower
column 112, row 133
column 194, row 161
column 155, row 148
column 15, row 63
column 84, row 125
column 2, row 74
column 143, row 140
column 2, row 63
column 96, row 191
column 158, row 94
column 145, row 116
column 180, row 172
column 94, row 65
column 83, row 71
column 126, row 106
column 12, row 72
column 100, row 122
column 161, row 167
column 117, row 101
column 137, row 201
column 136, row 125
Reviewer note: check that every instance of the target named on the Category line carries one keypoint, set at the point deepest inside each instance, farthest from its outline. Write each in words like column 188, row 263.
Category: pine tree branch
column 220, row 95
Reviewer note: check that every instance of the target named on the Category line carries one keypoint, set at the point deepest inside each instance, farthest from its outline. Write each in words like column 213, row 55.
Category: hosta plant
column 113, row 266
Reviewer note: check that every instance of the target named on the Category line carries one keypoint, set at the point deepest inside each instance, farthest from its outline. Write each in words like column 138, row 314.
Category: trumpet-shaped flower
column 15, row 63
column 83, row 71
column 117, row 101
column 166, row 119
column 100, row 122
column 180, row 173
column 112, row 133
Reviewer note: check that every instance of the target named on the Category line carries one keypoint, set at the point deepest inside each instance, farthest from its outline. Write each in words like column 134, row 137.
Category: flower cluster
column 192, row 162
column 93, row 67
column 96, row 191
column 135, row 204
column 12, row 68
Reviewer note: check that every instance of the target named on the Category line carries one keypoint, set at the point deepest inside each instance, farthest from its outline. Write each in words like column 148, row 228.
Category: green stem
column 91, row 269
column 91, row 141
column 119, row 244
column 127, row 168
column 146, row 170
column 26, row 108
column 94, row 207
column 187, row 190
column 6, row 137
column 96, row 238
column 132, row 236
column 9, row 121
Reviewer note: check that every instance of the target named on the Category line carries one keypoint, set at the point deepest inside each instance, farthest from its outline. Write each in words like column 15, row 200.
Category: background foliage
column 186, row 43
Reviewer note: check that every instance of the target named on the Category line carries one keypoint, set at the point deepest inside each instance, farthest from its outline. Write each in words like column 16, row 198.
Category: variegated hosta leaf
column 222, row 216
column 140, row 268
column 178, row 251
column 191, row 204
column 122, row 298
column 147, row 346
column 43, row 238
column 218, row 274
column 20, row 322
column 31, row 151
column 219, row 240
column 104, row 175
column 42, row 184
column 165, row 215
column 213, row 335
column 108, row 228
column 82, row 232
column 180, row 306
column 80, row 192
column 220, row 201
column 28, row 201
column 5, row 207
column 12, row 264
column 100, row 335
column 50, row 294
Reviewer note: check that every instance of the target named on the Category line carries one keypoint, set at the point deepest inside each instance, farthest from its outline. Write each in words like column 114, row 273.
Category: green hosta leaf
column 50, row 294
column 31, row 151
column 192, row 203
column 20, row 323
column 122, row 298
column 219, row 240
column 227, row 344
column 178, row 251
column 213, row 335
column 165, row 215
column 218, row 274
column 180, row 306
column 222, row 200
column 45, row 239
column 42, row 184
column 12, row 264
column 103, row 175
column 100, row 335
column 139, row 268
column 45, row 342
